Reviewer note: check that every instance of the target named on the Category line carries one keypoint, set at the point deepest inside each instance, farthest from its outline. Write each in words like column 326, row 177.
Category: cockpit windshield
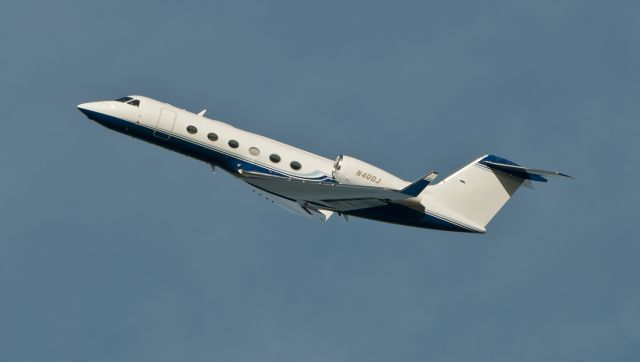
column 130, row 101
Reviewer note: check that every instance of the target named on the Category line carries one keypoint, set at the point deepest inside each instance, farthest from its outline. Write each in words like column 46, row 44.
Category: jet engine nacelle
column 351, row 171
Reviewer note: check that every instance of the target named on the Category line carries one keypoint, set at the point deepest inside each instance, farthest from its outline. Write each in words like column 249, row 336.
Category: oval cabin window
column 295, row 165
column 254, row 151
column 274, row 158
column 233, row 144
column 212, row 136
column 192, row 129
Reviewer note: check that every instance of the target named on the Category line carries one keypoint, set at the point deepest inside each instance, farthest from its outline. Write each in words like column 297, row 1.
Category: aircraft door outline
column 166, row 122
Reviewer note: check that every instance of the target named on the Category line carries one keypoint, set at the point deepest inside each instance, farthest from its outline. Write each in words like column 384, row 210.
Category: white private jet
column 317, row 187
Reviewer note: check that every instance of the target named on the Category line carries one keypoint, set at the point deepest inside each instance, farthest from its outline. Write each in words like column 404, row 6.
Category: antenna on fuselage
column 202, row 112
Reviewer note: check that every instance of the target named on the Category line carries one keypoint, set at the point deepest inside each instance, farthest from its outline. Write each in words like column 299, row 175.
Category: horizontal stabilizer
column 513, row 169
column 415, row 188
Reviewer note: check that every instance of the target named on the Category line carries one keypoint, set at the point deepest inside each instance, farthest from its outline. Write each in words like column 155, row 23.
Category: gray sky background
column 114, row 250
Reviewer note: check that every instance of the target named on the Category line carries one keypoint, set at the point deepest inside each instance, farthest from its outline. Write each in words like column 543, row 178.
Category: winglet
column 415, row 188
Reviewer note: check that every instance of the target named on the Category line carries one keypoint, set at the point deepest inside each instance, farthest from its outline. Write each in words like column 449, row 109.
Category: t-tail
column 473, row 195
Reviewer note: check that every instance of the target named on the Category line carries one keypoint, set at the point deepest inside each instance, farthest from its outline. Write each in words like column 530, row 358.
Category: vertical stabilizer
column 473, row 195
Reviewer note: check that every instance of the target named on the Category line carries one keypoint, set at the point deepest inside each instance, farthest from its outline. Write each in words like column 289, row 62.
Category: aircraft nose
column 90, row 107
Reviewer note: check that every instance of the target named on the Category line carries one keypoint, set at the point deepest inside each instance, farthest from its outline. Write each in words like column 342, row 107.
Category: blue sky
column 112, row 249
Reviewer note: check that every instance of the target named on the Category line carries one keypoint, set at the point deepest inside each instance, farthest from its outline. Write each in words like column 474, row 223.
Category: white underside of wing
column 335, row 197
column 295, row 207
column 305, row 197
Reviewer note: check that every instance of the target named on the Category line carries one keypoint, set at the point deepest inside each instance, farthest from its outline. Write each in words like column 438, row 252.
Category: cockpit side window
column 124, row 99
column 134, row 102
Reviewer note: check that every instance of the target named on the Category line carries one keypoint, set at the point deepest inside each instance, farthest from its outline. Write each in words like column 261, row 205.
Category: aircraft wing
column 331, row 196
column 297, row 208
